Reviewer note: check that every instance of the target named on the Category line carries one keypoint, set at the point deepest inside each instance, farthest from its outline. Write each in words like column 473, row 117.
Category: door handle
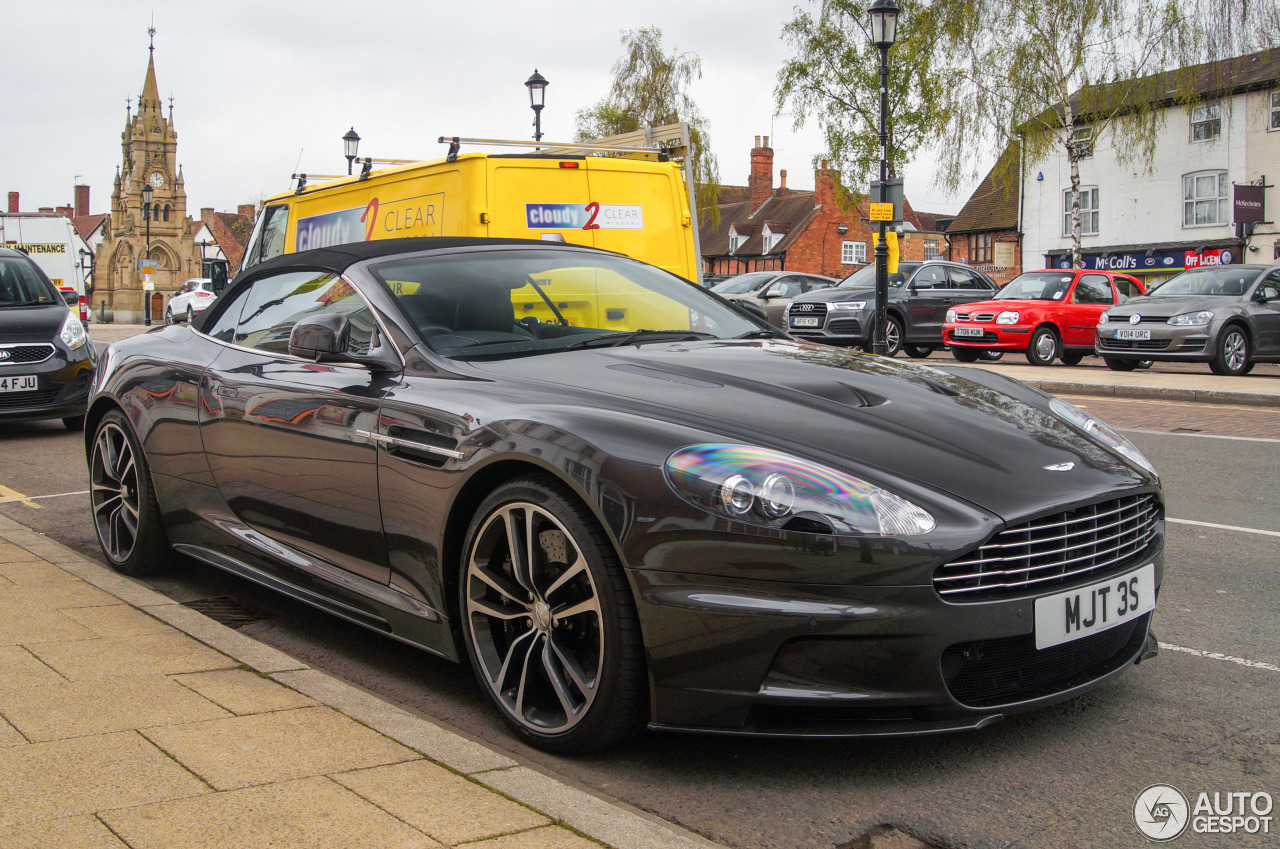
column 227, row 392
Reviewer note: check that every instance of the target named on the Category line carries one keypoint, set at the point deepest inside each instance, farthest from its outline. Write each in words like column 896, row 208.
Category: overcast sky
column 263, row 87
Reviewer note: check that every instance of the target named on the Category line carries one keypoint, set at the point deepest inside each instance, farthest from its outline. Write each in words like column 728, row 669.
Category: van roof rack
column 666, row 142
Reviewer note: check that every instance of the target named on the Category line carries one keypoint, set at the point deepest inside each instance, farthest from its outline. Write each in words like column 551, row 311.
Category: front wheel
column 1232, row 358
column 1117, row 364
column 966, row 355
column 917, row 352
column 1044, row 347
column 190, row 316
column 892, row 336
column 126, row 517
column 548, row 620
column 168, row 315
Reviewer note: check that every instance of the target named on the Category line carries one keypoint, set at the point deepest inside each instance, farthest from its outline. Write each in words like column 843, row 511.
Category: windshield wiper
column 757, row 334
column 613, row 340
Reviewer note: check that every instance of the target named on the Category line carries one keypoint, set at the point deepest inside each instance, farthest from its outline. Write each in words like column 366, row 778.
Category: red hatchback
column 1048, row 314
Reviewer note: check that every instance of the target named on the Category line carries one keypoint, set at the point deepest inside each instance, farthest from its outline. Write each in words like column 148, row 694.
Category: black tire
column 1149, row 363
column 582, row 684
column 1045, row 346
column 1232, row 356
column 991, row 356
column 190, row 316
column 917, row 352
column 1117, row 364
column 1072, row 358
column 966, row 355
column 893, row 336
column 126, row 518
column 168, row 316
column 73, row 422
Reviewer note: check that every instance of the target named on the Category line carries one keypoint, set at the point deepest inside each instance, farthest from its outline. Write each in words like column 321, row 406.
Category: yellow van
column 624, row 194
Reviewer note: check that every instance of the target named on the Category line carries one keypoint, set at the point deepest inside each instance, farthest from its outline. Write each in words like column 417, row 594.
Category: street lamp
column 537, row 99
column 884, row 30
column 146, row 216
column 350, row 144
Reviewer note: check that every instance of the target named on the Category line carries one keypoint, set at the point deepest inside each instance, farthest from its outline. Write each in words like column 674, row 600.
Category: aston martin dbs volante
column 625, row 502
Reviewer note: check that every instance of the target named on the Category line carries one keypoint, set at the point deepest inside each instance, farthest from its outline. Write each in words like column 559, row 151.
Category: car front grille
column 26, row 354
column 14, row 400
column 1133, row 344
column 1052, row 550
column 849, row 326
column 807, row 308
column 986, row 673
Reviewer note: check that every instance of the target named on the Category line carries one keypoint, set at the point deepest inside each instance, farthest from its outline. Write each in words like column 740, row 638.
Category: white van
column 53, row 244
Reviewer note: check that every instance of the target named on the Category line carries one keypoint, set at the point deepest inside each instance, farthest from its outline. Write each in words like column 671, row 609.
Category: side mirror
column 320, row 336
column 752, row 309
column 922, row 284
column 774, row 292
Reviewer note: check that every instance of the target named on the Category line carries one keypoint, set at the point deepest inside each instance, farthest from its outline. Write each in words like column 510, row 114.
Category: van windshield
column 496, row 304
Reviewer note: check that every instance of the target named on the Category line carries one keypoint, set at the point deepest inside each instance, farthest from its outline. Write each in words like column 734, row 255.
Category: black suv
column 46, row 358
column 920, row 293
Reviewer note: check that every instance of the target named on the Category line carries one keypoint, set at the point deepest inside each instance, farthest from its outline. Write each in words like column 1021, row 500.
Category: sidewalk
column 128, row 720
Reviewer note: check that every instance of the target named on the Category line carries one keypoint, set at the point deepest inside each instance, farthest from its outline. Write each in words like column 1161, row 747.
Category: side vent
column 428, row 440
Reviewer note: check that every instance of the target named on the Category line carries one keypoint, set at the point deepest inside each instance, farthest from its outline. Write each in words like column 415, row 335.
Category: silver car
column 1227, row 316
column 772, row 291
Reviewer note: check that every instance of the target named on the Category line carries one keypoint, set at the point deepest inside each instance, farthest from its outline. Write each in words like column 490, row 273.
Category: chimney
column 13, row 201
column 82, row 201
column 206, row 212
column 246, row 210
column 824, row 187
column 45, row 210
column 760, row 180
column 67, row 211
column 783, row 191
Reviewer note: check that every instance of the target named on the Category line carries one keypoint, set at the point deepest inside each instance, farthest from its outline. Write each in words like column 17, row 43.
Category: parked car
column 771, row 290
column 651, row 510
column 189, row 301
column 1046, row 314
column 1227, row 316
column 46, row 358
column 920, row 293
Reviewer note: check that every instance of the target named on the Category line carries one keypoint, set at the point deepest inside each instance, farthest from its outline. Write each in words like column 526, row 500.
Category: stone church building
column 150, row 147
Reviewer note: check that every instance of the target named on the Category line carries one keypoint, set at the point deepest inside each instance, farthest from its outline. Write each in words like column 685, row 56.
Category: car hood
column 39, row 323
column 837, row 294
column 1170, row 306
column 969, row 433
column 1010, row 304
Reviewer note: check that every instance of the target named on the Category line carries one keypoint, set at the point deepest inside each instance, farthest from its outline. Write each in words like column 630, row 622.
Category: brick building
column 985, row 234
column 763, row 228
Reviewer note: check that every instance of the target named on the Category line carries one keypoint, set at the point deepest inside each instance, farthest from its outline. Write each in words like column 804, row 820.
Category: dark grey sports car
column 626, row 503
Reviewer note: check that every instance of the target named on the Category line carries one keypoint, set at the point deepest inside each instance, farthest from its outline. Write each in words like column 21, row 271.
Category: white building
column 1180, row 213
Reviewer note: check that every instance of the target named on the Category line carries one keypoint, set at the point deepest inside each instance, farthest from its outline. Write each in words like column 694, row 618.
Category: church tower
column 165, row 236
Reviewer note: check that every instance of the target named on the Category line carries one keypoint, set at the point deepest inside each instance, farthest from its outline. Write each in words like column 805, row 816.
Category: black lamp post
column 537, row 99
column 884, row 30
column 350, row 144
column 146, row 216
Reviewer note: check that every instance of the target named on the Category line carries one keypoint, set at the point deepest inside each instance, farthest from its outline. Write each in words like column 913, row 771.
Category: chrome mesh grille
column 26, row 354
column 1052, row 550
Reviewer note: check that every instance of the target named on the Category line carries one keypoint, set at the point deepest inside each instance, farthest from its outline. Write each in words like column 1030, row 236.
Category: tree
column 650, row 89
column 1056, row 75
column 834, row 77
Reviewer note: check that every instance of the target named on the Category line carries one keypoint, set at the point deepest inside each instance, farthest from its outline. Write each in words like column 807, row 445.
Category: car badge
column 1061, row 467
column 1135, row 318
column 4, row 355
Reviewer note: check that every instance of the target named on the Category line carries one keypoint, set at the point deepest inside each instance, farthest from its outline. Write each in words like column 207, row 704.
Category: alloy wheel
column 1234, row 350
column 114, row 492
column 533, row 611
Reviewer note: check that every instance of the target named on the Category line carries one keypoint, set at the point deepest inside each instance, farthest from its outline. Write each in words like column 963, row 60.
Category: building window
column 1274, row 122
column 1206, row 122
column 980, row 248
column 1204, row 199
column 853, row 253
column 1082, row 141
column 1088, row 212
column 930, row 248
column 734, row 241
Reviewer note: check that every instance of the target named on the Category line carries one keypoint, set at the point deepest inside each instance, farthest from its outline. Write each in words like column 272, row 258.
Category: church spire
column 150, row 91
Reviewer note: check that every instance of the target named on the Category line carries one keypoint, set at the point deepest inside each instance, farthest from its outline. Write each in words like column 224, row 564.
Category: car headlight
column 951, row 316
column 1007, row 317
column 760, row 486
column 72, row 333
column 1101, row 432
column 1104, row 319
column 1191, row 319
column 848, row 305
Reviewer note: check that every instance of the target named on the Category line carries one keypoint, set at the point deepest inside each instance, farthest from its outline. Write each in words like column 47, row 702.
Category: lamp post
column 537, row 99
column 350, row 144
column 146, row 216
column 884, row 30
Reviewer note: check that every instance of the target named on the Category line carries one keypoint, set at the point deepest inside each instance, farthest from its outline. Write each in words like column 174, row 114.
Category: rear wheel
column 168, row 315
column 1071, row 358
column 1117, row 364
column 966, row 355
column 549, row 622
column 1232, row 358
column 892, row 336
column 126, row 518
column 917, row 352
column 190, row 316
column 1044, row 347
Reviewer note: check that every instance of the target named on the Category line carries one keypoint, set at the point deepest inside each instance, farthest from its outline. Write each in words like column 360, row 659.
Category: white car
column 189, row 301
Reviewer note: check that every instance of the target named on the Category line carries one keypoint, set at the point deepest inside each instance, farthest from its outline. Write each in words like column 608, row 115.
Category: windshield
column 1037, row 286
column 865, row 277
column 22, row 286
column 743, row 283
column 1227, row 281
column 509, row 303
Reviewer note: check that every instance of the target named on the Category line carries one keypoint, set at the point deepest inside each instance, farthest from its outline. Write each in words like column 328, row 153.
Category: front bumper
column 63, row 386
column 995, row 337
column 849, row 329
column 1168, row 343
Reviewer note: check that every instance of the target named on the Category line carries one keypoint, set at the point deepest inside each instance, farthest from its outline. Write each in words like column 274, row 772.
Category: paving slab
column 33, row 572
column 82, row 832
column 150, row 654
column 101, row 706
column 243, row 692
column 87, row 774
column 9, row 735
column 10, row 553
column 20, row 668
column 116, row 620
column 312, row 813
column 248, row 651
column 23, row 624
column 269, row 747
column 549, row 837
column 54, row 596
column 440, row 803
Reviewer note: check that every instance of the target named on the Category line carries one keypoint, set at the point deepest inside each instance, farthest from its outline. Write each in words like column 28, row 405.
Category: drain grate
column 228, row 610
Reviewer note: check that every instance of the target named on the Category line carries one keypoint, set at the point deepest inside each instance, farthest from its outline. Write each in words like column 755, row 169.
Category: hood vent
column 658, row 374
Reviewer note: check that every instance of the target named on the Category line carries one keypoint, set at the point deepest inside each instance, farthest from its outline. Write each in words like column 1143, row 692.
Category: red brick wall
column 960, row 253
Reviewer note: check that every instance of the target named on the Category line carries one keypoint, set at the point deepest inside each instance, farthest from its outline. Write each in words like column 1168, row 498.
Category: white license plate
column 1131, row 333
column 967, row 331
column 19, row 383
column 806, row 321
column 1063, row 617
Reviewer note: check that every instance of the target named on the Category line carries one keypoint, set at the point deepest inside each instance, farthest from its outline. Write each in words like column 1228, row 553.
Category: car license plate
column 1063, row 617
column 967, row 331
column 19, row 383
column 1132, row 333
column 806, row 321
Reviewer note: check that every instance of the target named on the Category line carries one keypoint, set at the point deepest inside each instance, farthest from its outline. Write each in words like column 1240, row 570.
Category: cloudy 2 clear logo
column 1161, row 812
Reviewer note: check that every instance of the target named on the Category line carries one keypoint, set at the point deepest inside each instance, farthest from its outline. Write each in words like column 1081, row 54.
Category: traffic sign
column 881, row 212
